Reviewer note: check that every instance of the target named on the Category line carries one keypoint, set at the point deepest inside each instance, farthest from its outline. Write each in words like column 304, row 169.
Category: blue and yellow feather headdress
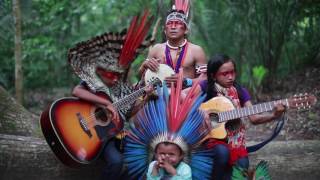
column 169, row 118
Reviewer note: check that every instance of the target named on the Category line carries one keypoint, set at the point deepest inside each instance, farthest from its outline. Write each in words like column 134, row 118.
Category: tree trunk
column 26, row 158
column 17, row 51
column 15, row 119
column 30, row 158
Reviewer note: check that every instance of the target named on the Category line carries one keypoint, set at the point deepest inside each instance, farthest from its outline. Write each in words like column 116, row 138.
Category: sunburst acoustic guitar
column 76, row 130
column 221, row 110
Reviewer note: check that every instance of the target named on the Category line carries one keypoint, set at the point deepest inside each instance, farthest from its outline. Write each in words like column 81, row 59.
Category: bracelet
column 187, row 82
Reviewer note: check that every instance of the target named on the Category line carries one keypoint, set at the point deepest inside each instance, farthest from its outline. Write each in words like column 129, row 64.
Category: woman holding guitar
column 231, row 150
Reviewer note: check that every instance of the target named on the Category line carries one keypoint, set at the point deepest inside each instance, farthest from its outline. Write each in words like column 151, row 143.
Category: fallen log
column 15, row 119
column 24, row 157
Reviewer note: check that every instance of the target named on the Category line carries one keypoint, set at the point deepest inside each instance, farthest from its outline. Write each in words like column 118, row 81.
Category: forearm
column 84, row 94
column 142, row 69
column 262, row 118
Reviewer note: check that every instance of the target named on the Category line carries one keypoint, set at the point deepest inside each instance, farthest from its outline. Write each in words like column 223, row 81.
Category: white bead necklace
column 177, row 47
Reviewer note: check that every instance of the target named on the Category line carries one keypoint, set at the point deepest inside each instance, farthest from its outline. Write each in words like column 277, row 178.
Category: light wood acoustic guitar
column 163, row 72
column 76, row 130
column 221, row 110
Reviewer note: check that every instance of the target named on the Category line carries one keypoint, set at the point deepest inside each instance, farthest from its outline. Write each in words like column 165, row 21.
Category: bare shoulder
column 155, row 50
column 195, row 47
column 158, row 46
column 198, row 53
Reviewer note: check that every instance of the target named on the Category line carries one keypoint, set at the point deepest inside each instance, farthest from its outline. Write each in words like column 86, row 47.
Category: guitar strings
column 91, row 119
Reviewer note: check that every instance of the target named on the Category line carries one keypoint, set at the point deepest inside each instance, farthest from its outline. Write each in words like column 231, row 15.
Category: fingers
column 115, row 114
column 279, row 107
column 152, row 64
column 171, row 79
column 148, row 89
column 278, row 110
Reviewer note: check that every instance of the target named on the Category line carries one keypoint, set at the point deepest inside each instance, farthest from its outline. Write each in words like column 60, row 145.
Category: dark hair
column 166, row 143
column 212, row 68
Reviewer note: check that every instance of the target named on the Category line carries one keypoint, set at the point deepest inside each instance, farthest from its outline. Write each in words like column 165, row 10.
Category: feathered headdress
column 180, row 11
column 260, row 172
column 111, row 51
column 169, row 119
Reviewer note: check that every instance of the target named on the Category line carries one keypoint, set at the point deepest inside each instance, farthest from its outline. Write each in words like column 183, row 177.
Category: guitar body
column 73, row 131
column 163, row 72
column 213, row 106
column 221, row 110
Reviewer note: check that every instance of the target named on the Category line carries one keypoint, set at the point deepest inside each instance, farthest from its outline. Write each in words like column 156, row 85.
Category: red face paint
column 226, row 73
column 175, row 24
column 108, row 74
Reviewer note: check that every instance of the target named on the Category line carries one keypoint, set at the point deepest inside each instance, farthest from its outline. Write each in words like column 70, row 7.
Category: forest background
column 269, row 39
column 276, row 45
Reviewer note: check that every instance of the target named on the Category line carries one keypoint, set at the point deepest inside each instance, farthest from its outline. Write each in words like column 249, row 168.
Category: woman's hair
column 212, row 68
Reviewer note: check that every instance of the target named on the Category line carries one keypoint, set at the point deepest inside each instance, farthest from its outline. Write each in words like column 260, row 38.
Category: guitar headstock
column 302, row 101
column 154, row 81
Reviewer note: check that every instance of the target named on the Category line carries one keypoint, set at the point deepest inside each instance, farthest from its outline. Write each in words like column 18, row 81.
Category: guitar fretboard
column 247, row 111
column 128, row 99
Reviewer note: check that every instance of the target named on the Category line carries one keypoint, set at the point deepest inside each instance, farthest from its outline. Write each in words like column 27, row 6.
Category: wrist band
column 187, row 82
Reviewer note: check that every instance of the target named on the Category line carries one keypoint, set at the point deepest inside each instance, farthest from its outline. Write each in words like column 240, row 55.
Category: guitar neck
column 129, row 98
column 247, row 111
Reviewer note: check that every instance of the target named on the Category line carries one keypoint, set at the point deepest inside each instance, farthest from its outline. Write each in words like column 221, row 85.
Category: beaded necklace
column 182, row 51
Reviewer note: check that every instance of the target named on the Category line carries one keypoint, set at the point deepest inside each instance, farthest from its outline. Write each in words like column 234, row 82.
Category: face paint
column 108, row 77
column 226, row 73
column 175, row 24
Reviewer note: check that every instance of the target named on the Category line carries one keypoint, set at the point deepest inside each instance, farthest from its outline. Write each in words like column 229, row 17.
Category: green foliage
column 274, row 36
column 259, row 73
column 254, row 79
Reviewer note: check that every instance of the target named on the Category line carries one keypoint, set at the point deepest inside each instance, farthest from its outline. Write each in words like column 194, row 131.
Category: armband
column 187, row 82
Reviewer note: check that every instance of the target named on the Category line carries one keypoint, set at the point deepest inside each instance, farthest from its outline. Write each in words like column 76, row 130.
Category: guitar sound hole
column 233, row 125
column 102, row 116
column 214, row 119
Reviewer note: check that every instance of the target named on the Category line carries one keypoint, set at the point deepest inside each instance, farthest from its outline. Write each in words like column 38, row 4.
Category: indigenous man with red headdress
column 177, row 52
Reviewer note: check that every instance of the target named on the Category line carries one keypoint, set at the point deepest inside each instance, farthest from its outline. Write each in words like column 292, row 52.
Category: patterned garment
column 236, row 130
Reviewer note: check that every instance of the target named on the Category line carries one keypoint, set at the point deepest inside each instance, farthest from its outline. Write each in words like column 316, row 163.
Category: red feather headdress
column 180, row 11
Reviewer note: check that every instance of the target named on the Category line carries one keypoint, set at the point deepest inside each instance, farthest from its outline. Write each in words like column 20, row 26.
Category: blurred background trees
column 269, row 39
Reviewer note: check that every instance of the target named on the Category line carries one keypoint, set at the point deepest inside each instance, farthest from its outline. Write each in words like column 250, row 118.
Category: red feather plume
column 179, row 107
column 134, row 38
column 183, row 5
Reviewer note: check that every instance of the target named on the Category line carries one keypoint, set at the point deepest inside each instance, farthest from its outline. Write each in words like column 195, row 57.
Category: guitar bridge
column 83, row 124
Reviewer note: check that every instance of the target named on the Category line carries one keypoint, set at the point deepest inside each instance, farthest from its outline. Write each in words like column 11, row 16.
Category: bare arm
column 152, row 61
column 82, row 93
column 266, row 117
column 200, row 58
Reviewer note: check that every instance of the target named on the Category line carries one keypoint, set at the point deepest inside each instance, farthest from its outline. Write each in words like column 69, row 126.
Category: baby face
column 169, row 152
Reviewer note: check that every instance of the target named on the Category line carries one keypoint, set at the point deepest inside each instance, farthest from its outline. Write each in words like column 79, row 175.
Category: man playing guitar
column 177, row 52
